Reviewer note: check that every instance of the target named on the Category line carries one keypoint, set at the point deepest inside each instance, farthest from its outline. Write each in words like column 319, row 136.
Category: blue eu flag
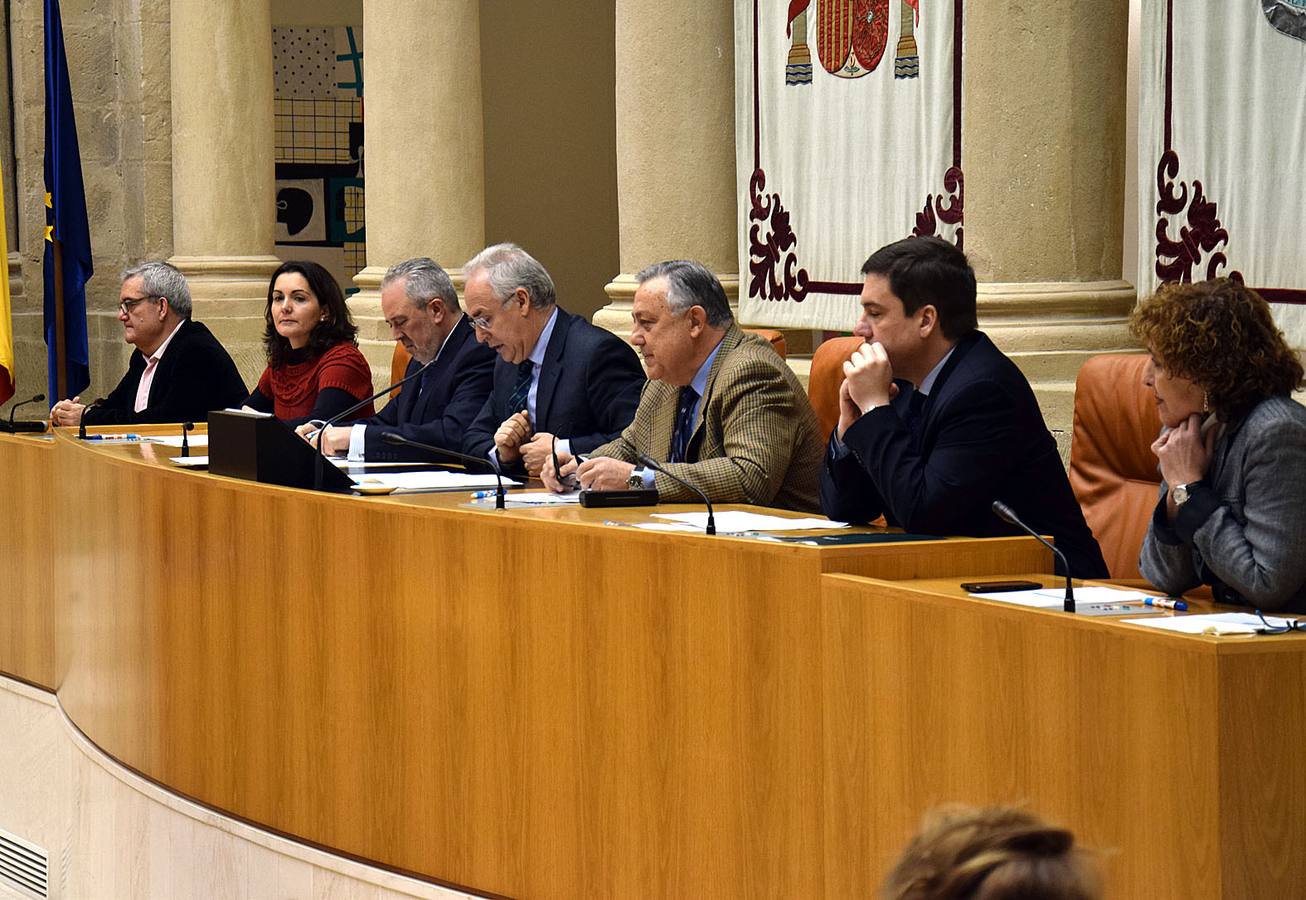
column 65, row 222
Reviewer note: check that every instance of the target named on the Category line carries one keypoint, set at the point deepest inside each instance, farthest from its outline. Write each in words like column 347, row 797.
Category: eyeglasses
column 480, row 323
column 126, row 306
column 1286, row 626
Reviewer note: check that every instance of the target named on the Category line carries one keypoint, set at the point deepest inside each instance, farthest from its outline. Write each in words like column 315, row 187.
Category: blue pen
column 113, row 437
column 1166, row 603
column 483, row 495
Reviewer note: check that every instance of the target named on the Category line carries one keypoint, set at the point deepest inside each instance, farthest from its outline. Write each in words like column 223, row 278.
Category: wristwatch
column 1181, row 493
column 635, row 482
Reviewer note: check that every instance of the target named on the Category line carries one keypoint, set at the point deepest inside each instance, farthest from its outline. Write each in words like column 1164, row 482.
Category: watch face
column 1180, row 494
column 635, row 482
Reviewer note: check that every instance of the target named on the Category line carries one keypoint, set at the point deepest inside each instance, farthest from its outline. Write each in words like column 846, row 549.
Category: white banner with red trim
column 1222, row 148
column 848, row 137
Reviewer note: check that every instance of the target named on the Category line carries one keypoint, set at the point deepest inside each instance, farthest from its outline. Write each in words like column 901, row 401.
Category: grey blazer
column 1243, row 531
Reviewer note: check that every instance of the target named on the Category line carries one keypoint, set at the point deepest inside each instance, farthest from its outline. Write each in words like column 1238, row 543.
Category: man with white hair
column 557, row 375
column 178, row 371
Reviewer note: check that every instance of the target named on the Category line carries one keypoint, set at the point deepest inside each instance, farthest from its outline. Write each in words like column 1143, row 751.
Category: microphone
column 1007, row 514
column 398, row 440
column 318, row 463
column 15, row 427
column 81, row 424
column 185, row 444
column 657, row 467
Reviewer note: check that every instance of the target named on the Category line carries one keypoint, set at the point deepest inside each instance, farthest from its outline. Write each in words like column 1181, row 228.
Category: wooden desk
column 1182, row 757
column 524, row 702
column 27, row 533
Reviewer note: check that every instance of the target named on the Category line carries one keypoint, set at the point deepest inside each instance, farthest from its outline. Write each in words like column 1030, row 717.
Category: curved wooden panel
column 27, row 611
column 528, row 702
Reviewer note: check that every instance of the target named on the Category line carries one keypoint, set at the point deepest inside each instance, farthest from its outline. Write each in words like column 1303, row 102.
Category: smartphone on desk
column 998, row 587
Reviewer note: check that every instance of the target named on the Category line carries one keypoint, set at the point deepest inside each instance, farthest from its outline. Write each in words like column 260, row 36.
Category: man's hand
column 511, row 435
column 562, row 479
column 603, row 473
column 1185, row 455
column 868, row 378
column 335, row 440
column 67, row 412
column 536, row 452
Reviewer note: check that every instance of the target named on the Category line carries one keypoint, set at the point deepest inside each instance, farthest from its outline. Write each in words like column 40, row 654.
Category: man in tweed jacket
column 721, row 409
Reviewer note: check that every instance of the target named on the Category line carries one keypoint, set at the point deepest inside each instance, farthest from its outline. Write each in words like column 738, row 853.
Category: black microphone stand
column 1007, row 514
column 321, row 459
column 81, row 423
column 185, row 444
column 16, row 427
column 398, row 440
column 657, row 467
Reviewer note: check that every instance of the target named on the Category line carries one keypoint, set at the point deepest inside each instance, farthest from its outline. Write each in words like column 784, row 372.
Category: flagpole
column 60, row 341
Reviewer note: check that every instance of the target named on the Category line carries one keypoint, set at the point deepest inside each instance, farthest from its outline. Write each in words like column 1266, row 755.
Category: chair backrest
column 1112, row 468
column 826, row 376
column 399, row 363
column 776, row 337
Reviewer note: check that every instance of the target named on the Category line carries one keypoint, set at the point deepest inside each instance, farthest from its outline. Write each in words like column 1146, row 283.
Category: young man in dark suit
column 935, row 423
column 421, row 307
column 178, row 371
column 557, row 375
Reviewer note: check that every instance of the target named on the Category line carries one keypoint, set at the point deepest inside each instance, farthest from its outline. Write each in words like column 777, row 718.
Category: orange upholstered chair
column 398, row 363
column 1112, row 468
column 826, row 376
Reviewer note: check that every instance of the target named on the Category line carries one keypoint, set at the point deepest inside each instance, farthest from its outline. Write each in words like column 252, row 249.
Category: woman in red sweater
column 315, row 369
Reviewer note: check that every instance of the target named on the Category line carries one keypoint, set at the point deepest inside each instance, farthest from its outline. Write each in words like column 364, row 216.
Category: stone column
column 223, row 201
column 675, row 143
column 1044, row 156
column 424, row 160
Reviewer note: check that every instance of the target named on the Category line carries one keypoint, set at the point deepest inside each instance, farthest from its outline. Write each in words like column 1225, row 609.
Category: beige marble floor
column 111, row 834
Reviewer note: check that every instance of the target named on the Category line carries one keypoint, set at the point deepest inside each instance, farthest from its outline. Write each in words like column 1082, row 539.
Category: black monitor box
column 258, row 447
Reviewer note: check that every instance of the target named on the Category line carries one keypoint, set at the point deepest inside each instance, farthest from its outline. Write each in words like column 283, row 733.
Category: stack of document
column 407, row 482
column 735, row 522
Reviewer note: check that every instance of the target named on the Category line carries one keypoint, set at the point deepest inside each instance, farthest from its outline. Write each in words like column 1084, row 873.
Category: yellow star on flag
column 49, row 200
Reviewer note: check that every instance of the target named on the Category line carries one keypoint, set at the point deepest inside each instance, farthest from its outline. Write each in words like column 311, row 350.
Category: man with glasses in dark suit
column 178, row 371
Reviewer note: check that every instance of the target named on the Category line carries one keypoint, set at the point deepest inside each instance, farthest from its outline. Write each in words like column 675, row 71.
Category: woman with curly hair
column 999, row 853
column 1232, row 452
column 315, row 369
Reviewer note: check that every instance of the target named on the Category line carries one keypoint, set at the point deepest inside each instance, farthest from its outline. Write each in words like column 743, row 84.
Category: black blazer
column 451, row 393
column 195, row 376
column 588, row 392
column 982, row 439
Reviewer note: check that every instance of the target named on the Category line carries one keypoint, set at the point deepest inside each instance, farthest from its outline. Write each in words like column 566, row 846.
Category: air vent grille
column 24, row 866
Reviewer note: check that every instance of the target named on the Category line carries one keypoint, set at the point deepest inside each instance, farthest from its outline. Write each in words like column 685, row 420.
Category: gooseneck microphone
column 398, row 440
column 81, row 423
column 1007, row 514
column 185, row 444
column 15, row 427
column 321, row 460
column 653, row 464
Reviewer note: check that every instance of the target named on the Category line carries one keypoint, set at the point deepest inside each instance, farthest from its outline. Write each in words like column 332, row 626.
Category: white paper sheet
column 196, row 440
column 543, row 498
column 1054, row 597
column 428, row 481
column 1213, row 623
column 737, row 521
column 190, row 462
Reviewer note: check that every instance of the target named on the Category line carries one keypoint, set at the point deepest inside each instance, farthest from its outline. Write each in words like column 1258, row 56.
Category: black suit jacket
column 588, row 392
column 452, row 392
column 195, row 376
column 982, row 439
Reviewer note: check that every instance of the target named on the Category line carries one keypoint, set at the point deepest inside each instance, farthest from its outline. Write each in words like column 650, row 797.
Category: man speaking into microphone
column 935, row 423
column 421, row 307
column 721, row 410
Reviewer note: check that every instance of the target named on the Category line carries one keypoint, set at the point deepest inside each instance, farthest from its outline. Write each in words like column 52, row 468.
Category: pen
column 1166, row 603
column 113, row 437
column 483, row 495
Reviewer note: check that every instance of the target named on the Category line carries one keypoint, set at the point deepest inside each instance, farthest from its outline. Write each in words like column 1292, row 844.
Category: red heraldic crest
column 851, row 35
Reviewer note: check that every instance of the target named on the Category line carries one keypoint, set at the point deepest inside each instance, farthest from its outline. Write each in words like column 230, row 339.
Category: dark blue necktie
column 684, row 425
column 915, row 417
column 522, row 389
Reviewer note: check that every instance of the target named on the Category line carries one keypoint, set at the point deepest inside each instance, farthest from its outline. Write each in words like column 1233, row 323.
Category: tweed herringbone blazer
column 756, row 438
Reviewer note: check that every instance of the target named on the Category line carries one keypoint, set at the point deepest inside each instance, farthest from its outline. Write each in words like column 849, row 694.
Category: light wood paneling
column 526, row 702
column 27, row 558
column 1180, row 757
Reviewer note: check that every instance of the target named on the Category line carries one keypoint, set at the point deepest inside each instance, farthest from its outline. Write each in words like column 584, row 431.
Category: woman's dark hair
column 336, row 324
column 998, row 853
column 1220, row 335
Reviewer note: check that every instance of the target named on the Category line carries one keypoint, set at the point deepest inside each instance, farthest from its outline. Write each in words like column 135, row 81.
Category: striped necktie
column 522, row 389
